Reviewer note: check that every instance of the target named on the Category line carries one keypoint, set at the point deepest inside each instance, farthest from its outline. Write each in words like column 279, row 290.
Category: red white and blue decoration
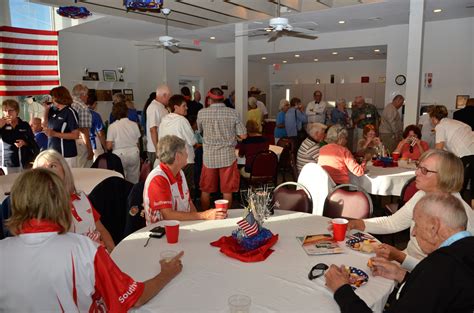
column 143, row 5
column 74, row 12
column 248, row 225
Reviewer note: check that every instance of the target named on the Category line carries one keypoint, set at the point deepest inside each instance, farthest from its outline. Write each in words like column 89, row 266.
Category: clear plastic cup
column 239, row 304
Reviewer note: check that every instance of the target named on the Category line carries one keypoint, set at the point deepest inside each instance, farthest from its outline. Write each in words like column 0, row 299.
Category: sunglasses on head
column 317, row 271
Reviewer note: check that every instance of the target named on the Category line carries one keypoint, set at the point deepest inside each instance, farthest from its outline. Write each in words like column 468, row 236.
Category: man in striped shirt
column 309, row 149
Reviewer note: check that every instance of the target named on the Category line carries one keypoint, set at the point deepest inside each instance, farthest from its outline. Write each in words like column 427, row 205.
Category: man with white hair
column 442, row 282
column 154, row 113
column 309, row 149
column 85, row 153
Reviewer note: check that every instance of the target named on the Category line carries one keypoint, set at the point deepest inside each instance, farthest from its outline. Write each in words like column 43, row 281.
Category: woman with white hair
column 309, row 149
column 280, row 131
column 254, row 113
column 336, row 159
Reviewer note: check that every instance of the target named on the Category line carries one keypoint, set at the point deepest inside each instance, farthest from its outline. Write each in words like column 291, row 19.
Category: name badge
column 368, row 115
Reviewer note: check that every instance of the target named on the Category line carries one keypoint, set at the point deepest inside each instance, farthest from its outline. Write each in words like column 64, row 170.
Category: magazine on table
column 318, row 244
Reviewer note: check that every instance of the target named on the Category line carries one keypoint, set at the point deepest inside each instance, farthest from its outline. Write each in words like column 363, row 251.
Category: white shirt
column 427, row 129
column 178, row 125
column 124, row 134
column 262, row 107
column 316, row 112
column 36, row 110
column 155, row 112
column 458, row 137
column 43, row 271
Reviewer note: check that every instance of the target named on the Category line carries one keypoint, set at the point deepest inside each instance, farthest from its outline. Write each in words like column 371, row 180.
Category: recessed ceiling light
column 351, row 58
column 376, row 50
column 297, row 55
column 268, row 30
column 212, row 37
column 264, row 58
column 284, row 61
column 342, row 22
column 335, row 53
column 437, row 11
column 316, row 60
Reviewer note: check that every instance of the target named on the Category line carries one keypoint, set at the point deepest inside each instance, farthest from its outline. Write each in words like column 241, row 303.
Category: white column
column 241, row 71
column 414, row 61
column 5, row 13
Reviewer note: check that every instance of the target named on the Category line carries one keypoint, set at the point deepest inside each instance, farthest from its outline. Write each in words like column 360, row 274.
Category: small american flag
column 248, row 225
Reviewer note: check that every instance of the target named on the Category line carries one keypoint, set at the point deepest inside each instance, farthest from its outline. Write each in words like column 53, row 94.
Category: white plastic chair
column 319, row 184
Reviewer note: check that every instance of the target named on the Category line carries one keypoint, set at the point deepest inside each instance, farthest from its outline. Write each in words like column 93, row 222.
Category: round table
column 278, row 284
column 384, row 181
column 85, row 179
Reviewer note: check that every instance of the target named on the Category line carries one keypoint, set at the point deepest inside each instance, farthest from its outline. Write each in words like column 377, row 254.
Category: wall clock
column 400, row 80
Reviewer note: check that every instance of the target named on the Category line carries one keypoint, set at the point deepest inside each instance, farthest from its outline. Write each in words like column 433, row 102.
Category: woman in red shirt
column 411, row 146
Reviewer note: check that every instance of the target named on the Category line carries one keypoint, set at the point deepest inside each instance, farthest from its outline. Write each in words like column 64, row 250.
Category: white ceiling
column 201, row 19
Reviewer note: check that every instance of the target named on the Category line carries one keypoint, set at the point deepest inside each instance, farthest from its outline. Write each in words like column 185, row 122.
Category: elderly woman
column 18, row 143
column 254, row 113
column 58, row 270
column 339, row 114
column 370, row 143
column 131, row 111
column 280, row 131
column 166, row 193
column 437, row 171
column 456, row 137
column 61, row 124
column 251, row 146
column 411, row 146
column 122, row 139
column 309, row 149
column 336, row 159
column 86, row 220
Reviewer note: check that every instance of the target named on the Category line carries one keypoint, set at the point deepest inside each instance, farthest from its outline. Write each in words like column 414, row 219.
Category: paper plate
column 362, row 242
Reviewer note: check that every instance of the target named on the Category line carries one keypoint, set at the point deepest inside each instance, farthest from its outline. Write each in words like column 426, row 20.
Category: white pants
column 82, row 154
column 130, row 158
column 98, row 151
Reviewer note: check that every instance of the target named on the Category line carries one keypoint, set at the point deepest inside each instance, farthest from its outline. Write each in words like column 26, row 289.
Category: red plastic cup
column 339, row 228
column 172, row 231
column 395, row 156
column 223, row 205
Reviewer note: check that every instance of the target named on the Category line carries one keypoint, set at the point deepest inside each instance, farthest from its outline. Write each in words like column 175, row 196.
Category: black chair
column 292, row 196
column 348, row 201
column 4, row 215
column 109, row 161
column 263, row 169
column 109, row 198
column 135, row 218
column 287, row 162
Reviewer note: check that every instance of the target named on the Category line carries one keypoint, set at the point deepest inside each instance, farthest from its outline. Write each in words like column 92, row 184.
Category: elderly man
column 220, row 126
column 362, row 114
column 442, row 282
column 85, row 153
column 309, row 149
column 194, row 106
column 166, row 194
column 391, row 126
column 154, row 113
column 316, row 110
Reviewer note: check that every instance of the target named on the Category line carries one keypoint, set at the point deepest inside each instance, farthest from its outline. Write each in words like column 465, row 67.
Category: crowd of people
column 54, row 223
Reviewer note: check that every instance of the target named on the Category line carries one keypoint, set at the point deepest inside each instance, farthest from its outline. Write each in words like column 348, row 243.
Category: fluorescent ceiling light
column 264, row 58
column 335, row 53
column 437, row 11
column 297, row 55
column 212, row 37
column 377, row 50
column 351, row 58
column 284, row 61
column 342, row 22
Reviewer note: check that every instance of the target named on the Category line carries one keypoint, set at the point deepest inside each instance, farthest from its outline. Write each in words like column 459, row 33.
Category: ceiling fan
column 279, row 26
column 168, row 42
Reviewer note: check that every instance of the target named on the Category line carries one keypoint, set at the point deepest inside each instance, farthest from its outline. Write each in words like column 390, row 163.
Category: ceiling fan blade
column 173, row 41
column 301, row 35
column 173, row 49
column 303, row 31
column 148, row 45
column 189, row 47
column 274, row 36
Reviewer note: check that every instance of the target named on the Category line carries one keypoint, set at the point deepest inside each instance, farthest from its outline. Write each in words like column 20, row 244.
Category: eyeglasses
column 424, row 170
column 317, row 271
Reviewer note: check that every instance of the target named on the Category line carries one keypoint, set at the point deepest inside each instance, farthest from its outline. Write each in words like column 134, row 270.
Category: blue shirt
column 280, row 132
column 338, row 117
column 41, row 140
column 64, row 121
column 97, row 126
column 455, row 237
column 132, row 115
column 294, row 120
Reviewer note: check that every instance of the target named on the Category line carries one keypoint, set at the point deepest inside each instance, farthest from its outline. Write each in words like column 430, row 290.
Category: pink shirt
column 338, row 161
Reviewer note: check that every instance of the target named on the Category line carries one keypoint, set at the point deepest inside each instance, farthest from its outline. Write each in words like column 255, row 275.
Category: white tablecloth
column 384, row 181
column 84, row 178
column 278, row 284
column 276, row 149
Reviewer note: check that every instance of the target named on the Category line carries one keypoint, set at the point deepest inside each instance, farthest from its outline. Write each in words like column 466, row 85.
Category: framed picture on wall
column 128, row 94
column 110, row 75
column 114, row 91
column 104, row 95
column 461, row 101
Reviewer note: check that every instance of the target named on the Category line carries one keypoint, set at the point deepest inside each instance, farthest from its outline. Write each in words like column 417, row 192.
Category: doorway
column 193, row 83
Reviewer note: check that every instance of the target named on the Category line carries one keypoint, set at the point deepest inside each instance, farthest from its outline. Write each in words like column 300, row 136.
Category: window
column 30, row 15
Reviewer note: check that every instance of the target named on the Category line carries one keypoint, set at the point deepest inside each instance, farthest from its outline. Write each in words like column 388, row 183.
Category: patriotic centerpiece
column 251, row 234
column 73, row 12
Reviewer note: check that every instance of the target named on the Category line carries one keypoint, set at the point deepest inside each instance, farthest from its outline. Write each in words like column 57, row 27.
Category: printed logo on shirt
column 157, row 203
column 131, row 289
column 60, row 118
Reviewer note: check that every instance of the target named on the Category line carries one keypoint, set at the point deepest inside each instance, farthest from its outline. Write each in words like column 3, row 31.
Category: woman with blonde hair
column 86, row 220
column 437, row 171
column 61, row 271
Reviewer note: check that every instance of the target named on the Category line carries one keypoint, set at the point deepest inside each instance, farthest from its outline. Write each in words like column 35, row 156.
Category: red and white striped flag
column 28, row 61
